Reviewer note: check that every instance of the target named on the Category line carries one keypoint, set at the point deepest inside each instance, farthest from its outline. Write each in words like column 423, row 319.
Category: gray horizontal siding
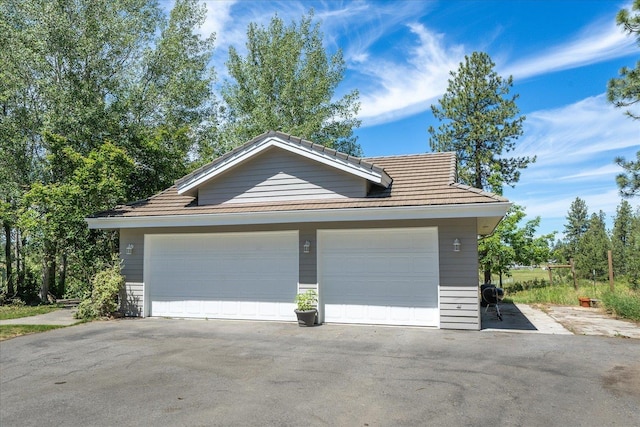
column 304, row 287
column 459, row 307
column 132, row 299
column 277, row 175
column 458, row 270
column 132, row 264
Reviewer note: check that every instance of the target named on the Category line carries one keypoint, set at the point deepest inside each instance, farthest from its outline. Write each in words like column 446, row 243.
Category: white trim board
column 476, row 210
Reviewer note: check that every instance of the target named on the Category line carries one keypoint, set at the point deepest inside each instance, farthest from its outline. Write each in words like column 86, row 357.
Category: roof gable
column 279, row 175
column 352, row 165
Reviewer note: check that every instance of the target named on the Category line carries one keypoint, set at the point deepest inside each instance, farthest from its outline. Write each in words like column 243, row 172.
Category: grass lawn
column 12, row 331
column 15, row 311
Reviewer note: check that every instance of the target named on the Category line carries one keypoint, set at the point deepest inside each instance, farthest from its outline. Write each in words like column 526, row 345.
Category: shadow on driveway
column 512, row 319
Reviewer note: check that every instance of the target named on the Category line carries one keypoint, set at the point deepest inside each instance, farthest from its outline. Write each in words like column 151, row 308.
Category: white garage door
column 379, row 276
column 223, row 275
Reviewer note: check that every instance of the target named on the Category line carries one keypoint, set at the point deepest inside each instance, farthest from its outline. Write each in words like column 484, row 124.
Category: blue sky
column 398, row 55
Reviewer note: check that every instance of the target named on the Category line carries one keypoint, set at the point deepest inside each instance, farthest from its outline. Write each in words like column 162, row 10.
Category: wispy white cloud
column 402, row 89
column 590, row 173
column 575, row 146
column 218, row 19
column 404, row 79
column 600, row 41
column 583, row 130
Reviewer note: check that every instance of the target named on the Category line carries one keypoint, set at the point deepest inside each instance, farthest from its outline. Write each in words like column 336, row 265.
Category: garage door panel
column 380, row 276
column 225, row 275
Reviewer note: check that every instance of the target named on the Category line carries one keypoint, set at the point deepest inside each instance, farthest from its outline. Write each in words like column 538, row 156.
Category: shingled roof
column 417, row 180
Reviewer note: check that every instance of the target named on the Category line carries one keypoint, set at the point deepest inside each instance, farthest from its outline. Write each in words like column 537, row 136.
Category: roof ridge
column 390, row 156
column 324, row 149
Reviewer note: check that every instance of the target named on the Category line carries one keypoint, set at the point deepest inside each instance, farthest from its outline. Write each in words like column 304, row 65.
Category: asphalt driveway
column 197, row 372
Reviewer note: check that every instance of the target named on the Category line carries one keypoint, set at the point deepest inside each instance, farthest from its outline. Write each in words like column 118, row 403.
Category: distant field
column 522, row 275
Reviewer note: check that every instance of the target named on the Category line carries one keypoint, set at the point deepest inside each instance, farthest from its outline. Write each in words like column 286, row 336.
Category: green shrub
column 85, row 310
column 623, row 304
column 526, row 285
column 103, row 301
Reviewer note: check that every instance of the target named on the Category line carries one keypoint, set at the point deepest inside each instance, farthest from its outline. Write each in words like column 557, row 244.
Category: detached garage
column 241, row 236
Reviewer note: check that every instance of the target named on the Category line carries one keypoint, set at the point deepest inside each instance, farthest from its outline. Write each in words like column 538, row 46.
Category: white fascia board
column 475, row 210
column 295, row 148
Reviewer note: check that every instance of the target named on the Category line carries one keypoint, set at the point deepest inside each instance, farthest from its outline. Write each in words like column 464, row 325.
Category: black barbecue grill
column 491, row 296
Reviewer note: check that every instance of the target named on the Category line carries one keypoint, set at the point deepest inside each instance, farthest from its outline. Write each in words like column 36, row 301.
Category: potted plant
column 306, row 309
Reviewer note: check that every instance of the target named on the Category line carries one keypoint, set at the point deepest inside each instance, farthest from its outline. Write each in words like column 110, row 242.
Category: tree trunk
column 487, row 274
column 7, row 258
column 20, row 266
column 49, row 273
column 63, row 277
column 478, row 166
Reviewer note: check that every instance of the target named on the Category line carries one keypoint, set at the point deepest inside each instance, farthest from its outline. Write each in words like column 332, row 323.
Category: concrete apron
column 557, row 320
column 593, row 321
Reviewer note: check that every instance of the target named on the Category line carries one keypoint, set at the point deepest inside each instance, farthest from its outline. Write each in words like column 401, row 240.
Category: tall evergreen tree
column 287, row 82
column 577, row 224
column 633, row 260
column 482, row 123
column 629, row 181
column 624, row 91
column 594, row 244
column 621, row 238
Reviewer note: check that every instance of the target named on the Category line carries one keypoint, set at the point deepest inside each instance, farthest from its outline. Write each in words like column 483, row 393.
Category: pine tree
column 621, row 238
column 591, row 257
column 482, row 123
column 625, row 92
column 577, row 224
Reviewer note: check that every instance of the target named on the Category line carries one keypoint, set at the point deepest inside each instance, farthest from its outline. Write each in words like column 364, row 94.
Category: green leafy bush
column 85, row 310
column 526, row 285
column 307, row 301
column 103, row 301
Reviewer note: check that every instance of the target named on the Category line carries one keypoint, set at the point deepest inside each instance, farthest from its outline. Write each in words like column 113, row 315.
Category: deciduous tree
column 287, row 82
column 513, row 243
column 94, row 74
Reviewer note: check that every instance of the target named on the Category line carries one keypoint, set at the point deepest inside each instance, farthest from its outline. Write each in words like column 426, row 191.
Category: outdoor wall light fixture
column 456, row 245
column 129, row 248
column 306, row 247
